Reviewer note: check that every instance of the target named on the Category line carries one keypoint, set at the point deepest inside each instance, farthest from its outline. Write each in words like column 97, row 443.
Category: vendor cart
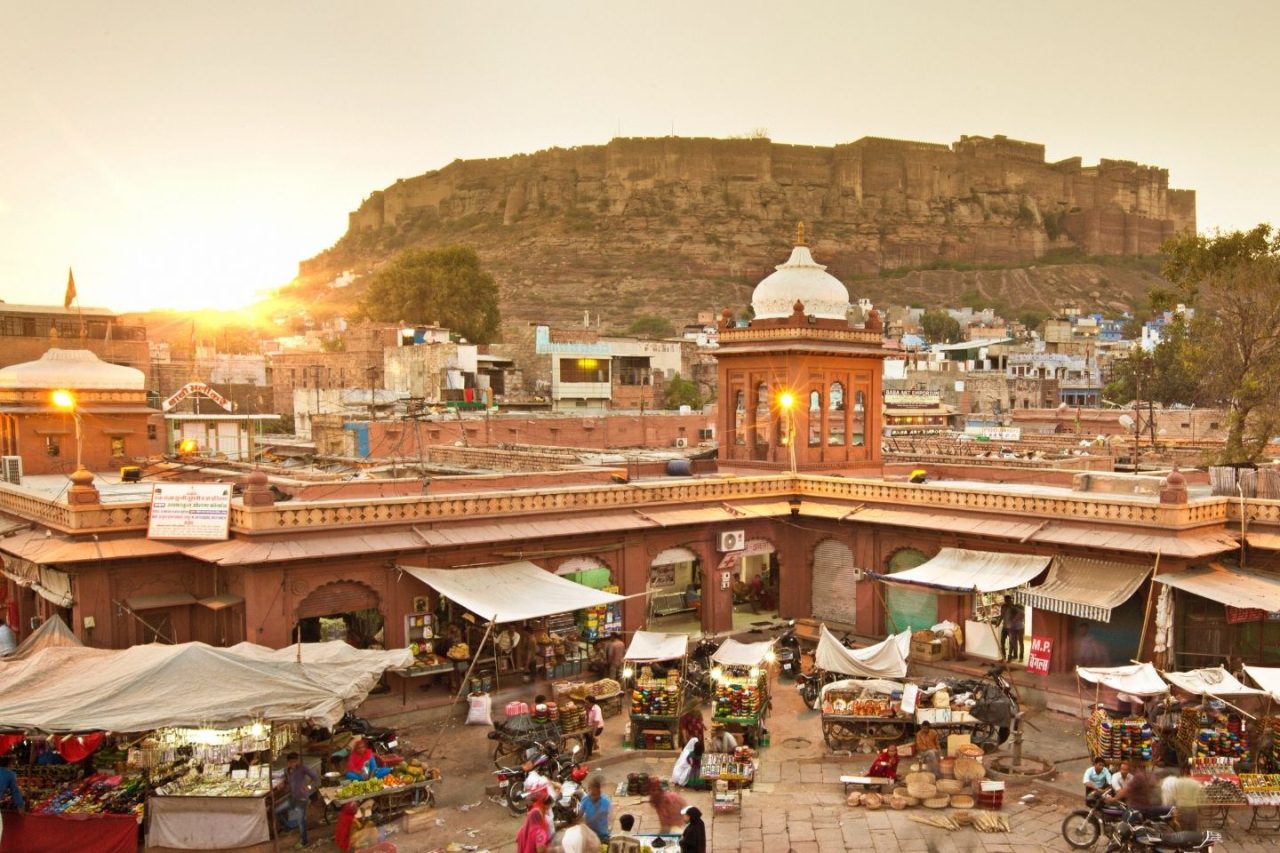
column 741, row 699
column 515, row 735
column 655, row 669
column 857, row 710
column 387, row 803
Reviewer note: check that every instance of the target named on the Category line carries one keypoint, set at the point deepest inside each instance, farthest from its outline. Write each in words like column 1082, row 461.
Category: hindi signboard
column 1041, row 653
column 190, row 511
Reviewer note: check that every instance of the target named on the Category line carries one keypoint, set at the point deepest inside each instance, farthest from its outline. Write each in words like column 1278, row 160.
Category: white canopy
column 1089, row 589
column 344, row 669
column 648, row 646
column 511, row 592
column 1266, row 677
column 1211, row 681
column 51, row 633
column 875, row 685
column 733, row 653
column 1230, row 586
column 961, row 570
column 1140, row 679
column 885, row 659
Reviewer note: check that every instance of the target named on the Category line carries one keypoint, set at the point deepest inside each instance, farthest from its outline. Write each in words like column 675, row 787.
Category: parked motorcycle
column 810, row 685
column 787, row 649
column 698, row 671
column 1083, row 827
column 1133, row 833
column 544, row 758
column 995, row 708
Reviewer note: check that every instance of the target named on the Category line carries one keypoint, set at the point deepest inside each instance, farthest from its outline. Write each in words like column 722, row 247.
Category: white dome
column 801, row 278
column 73, row 369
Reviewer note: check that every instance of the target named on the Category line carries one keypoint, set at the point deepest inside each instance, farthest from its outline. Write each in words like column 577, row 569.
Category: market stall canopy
column 872, row 685
column 1266, row 677
column 1088, row 589
column 1230, row 586
column 961, row 570
column 341, row 667
column 1211, row 681
column 648, row 646
column 77, row 689
column 885, row 659
column 733, row 653
column 1140, row 679
column 53, row 632
column 511, row 592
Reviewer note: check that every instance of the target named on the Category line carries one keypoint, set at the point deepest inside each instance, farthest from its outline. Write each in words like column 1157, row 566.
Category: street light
column 787, row 402
column 66, row 401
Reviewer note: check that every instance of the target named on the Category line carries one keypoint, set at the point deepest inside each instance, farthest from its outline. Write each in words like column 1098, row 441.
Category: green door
column 916, row 609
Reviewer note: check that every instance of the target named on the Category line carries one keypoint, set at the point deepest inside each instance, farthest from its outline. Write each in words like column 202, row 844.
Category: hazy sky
column 187, row 154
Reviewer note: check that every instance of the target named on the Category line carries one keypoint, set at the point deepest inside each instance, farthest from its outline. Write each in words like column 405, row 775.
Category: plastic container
column 991, row 795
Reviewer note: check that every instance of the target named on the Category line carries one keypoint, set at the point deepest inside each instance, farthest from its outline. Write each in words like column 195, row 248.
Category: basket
column 969, row 768
column 950, row 786
column 937, row 802
column 923, row 776
column 853, row 800
column 969, row 750
column 912, row 802
column 962, row 818
column 901, row 792
column 898, row 802
column 872, row 800
column 961, row 801
column 922, row 790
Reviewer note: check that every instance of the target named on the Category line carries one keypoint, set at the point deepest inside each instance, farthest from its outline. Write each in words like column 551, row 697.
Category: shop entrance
column 342, row 610
column 675, row 592
column 755, row 584
column 835, row 584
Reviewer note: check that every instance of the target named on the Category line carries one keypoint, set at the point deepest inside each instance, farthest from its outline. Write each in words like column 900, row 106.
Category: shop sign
column 1041, row 652
column 190, row 511
column 995, row 433
column 196, row 388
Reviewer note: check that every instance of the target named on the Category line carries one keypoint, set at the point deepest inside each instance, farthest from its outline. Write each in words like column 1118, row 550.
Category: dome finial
column 800, row 234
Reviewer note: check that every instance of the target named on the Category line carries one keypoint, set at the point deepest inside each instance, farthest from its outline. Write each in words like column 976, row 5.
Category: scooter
column 1131, row 832
column 1083, row 827
column 787, row 649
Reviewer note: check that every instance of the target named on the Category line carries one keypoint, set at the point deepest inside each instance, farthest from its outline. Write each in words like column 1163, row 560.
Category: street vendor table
column 645, row 728
column 69, row 833
column 1220, row 792
column 387, row 802
column 1262, row 793
column 721, row 767
column 416, row 672
column 208, row 823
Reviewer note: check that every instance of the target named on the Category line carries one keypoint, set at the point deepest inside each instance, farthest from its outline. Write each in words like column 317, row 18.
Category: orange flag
column 71, row 290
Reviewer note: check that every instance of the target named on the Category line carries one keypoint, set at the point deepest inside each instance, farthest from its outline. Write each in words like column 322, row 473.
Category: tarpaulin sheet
column 101, row 833
column 733, row 653
column 961, row 570
column 344, row 669
column 874, row 685
column 207, row 823
column 653, row 646
column 52, row 632
column 1211, row 681
column 66, row 689
column 1230, row 586
column 1266, row 677
column 1140, row 679
column 885, row 659
column 1088, row 589
column 511, row 592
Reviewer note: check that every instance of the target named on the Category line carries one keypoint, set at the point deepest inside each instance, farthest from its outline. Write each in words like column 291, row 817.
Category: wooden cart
column 387, row 803
column 845, row 731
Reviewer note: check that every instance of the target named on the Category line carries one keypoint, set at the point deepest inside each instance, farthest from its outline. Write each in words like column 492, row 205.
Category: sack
column 478, row 712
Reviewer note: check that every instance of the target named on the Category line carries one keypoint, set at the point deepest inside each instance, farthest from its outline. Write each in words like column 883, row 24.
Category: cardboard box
column 417, row 819
column 927, row 651
column 954, row 742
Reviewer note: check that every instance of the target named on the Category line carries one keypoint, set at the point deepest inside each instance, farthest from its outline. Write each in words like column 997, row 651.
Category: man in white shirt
column 1120, row 778
column 8, row 642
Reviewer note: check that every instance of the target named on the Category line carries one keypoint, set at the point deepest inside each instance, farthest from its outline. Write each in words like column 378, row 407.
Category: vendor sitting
column 1097, row 778
column 362, row 763
column 927, row 747
column 721, row 740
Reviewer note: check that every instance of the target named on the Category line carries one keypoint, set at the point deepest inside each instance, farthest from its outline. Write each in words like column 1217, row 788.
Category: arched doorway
column 908, row 608
column 588, row 571
column 341, row 610
column 675, row 589
column 835, row 583
column 594, row 622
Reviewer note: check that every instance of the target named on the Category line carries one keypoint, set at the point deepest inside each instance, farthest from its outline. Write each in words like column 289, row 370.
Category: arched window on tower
column 740, row 417
column 857, row 436
column 815, row 418
column 835, row 421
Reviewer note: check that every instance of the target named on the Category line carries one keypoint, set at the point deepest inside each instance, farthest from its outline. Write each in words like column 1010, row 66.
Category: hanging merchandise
column 656, row 698
column 1120, row 738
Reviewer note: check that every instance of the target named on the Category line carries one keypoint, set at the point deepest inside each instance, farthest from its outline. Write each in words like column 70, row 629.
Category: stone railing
column 56, row 513
column 771, row 333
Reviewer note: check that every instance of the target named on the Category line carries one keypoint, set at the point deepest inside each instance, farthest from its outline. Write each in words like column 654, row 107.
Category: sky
column 188, row 154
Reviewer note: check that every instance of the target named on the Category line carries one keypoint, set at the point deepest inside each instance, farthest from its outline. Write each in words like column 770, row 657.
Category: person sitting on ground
column 362, row 763
column 927, row 748
column 1097, row 778
column 623, row 842
column 668, row 805
column 1120, row 778
column 721, row 739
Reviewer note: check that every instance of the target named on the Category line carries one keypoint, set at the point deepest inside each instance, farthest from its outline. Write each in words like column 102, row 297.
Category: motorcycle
column 1083, row 827
column 571, row 778
column 698, row 672
column 995, row 707
column 542, row 758
column 787, row 649
column 810, row 685
column 1132, row 833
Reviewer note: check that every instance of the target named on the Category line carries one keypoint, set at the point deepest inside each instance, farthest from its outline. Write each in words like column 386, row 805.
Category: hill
column 672, row 226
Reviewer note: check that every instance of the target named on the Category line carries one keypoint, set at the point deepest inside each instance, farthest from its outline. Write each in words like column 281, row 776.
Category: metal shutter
column 835, row 584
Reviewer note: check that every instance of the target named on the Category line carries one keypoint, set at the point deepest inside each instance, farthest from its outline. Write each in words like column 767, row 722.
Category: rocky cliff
column 671, row 226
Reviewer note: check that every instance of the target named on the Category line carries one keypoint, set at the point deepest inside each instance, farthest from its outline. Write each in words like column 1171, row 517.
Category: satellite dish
column 1125, row 421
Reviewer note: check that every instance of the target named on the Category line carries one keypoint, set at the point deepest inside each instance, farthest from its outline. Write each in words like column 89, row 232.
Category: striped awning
column 1087, row 589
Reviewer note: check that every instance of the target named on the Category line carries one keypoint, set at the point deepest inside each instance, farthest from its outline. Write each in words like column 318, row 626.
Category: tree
column 650, row 326
column 445, row 286
column 1232, row 281
column 1033, row 318
column 1167, row 374
column 939, row 327
column 682, row 392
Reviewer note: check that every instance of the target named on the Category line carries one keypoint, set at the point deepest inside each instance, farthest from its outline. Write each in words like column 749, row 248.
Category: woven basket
column 901, row 792
column 937, row 802
column 951, row 786
column 872, row 800
column 898, row 802
column 968, row 769
column 962, row 818
column 961, row 801
column 853, row 800
column 912, row 802
column 921, row 777
column 922, row 790
column 969, row 750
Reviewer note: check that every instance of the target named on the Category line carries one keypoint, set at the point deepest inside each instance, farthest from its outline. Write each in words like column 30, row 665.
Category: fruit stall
column 741, row 698
column 411, row 784
column 654, row 669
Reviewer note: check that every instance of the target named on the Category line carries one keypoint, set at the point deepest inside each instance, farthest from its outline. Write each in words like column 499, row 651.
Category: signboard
column 195, row 388
column 1041, row 653
column 912, row 398
column 190, row 511
column 996, row 433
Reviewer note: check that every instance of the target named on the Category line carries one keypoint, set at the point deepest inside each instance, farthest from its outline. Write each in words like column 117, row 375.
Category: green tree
column 1232, row 281
column 445, row 286
column 1131, row 328
column 681, row 392
column 939, row 327
column 650, row 326
column 1032, row 318
column 1167, row 375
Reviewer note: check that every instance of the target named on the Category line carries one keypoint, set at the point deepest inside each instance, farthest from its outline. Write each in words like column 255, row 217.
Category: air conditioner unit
column 732, row 540
column 682, row 442
column 11, row 469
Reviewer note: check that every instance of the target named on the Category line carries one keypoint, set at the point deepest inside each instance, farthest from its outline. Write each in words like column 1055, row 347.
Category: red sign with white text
column 1041, row 652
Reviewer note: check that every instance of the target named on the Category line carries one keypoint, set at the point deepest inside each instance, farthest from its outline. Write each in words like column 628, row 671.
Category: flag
column 71, row 290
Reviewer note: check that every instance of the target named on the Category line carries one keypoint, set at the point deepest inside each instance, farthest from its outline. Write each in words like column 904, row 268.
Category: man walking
column 292, row 808
column 1012, row 626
